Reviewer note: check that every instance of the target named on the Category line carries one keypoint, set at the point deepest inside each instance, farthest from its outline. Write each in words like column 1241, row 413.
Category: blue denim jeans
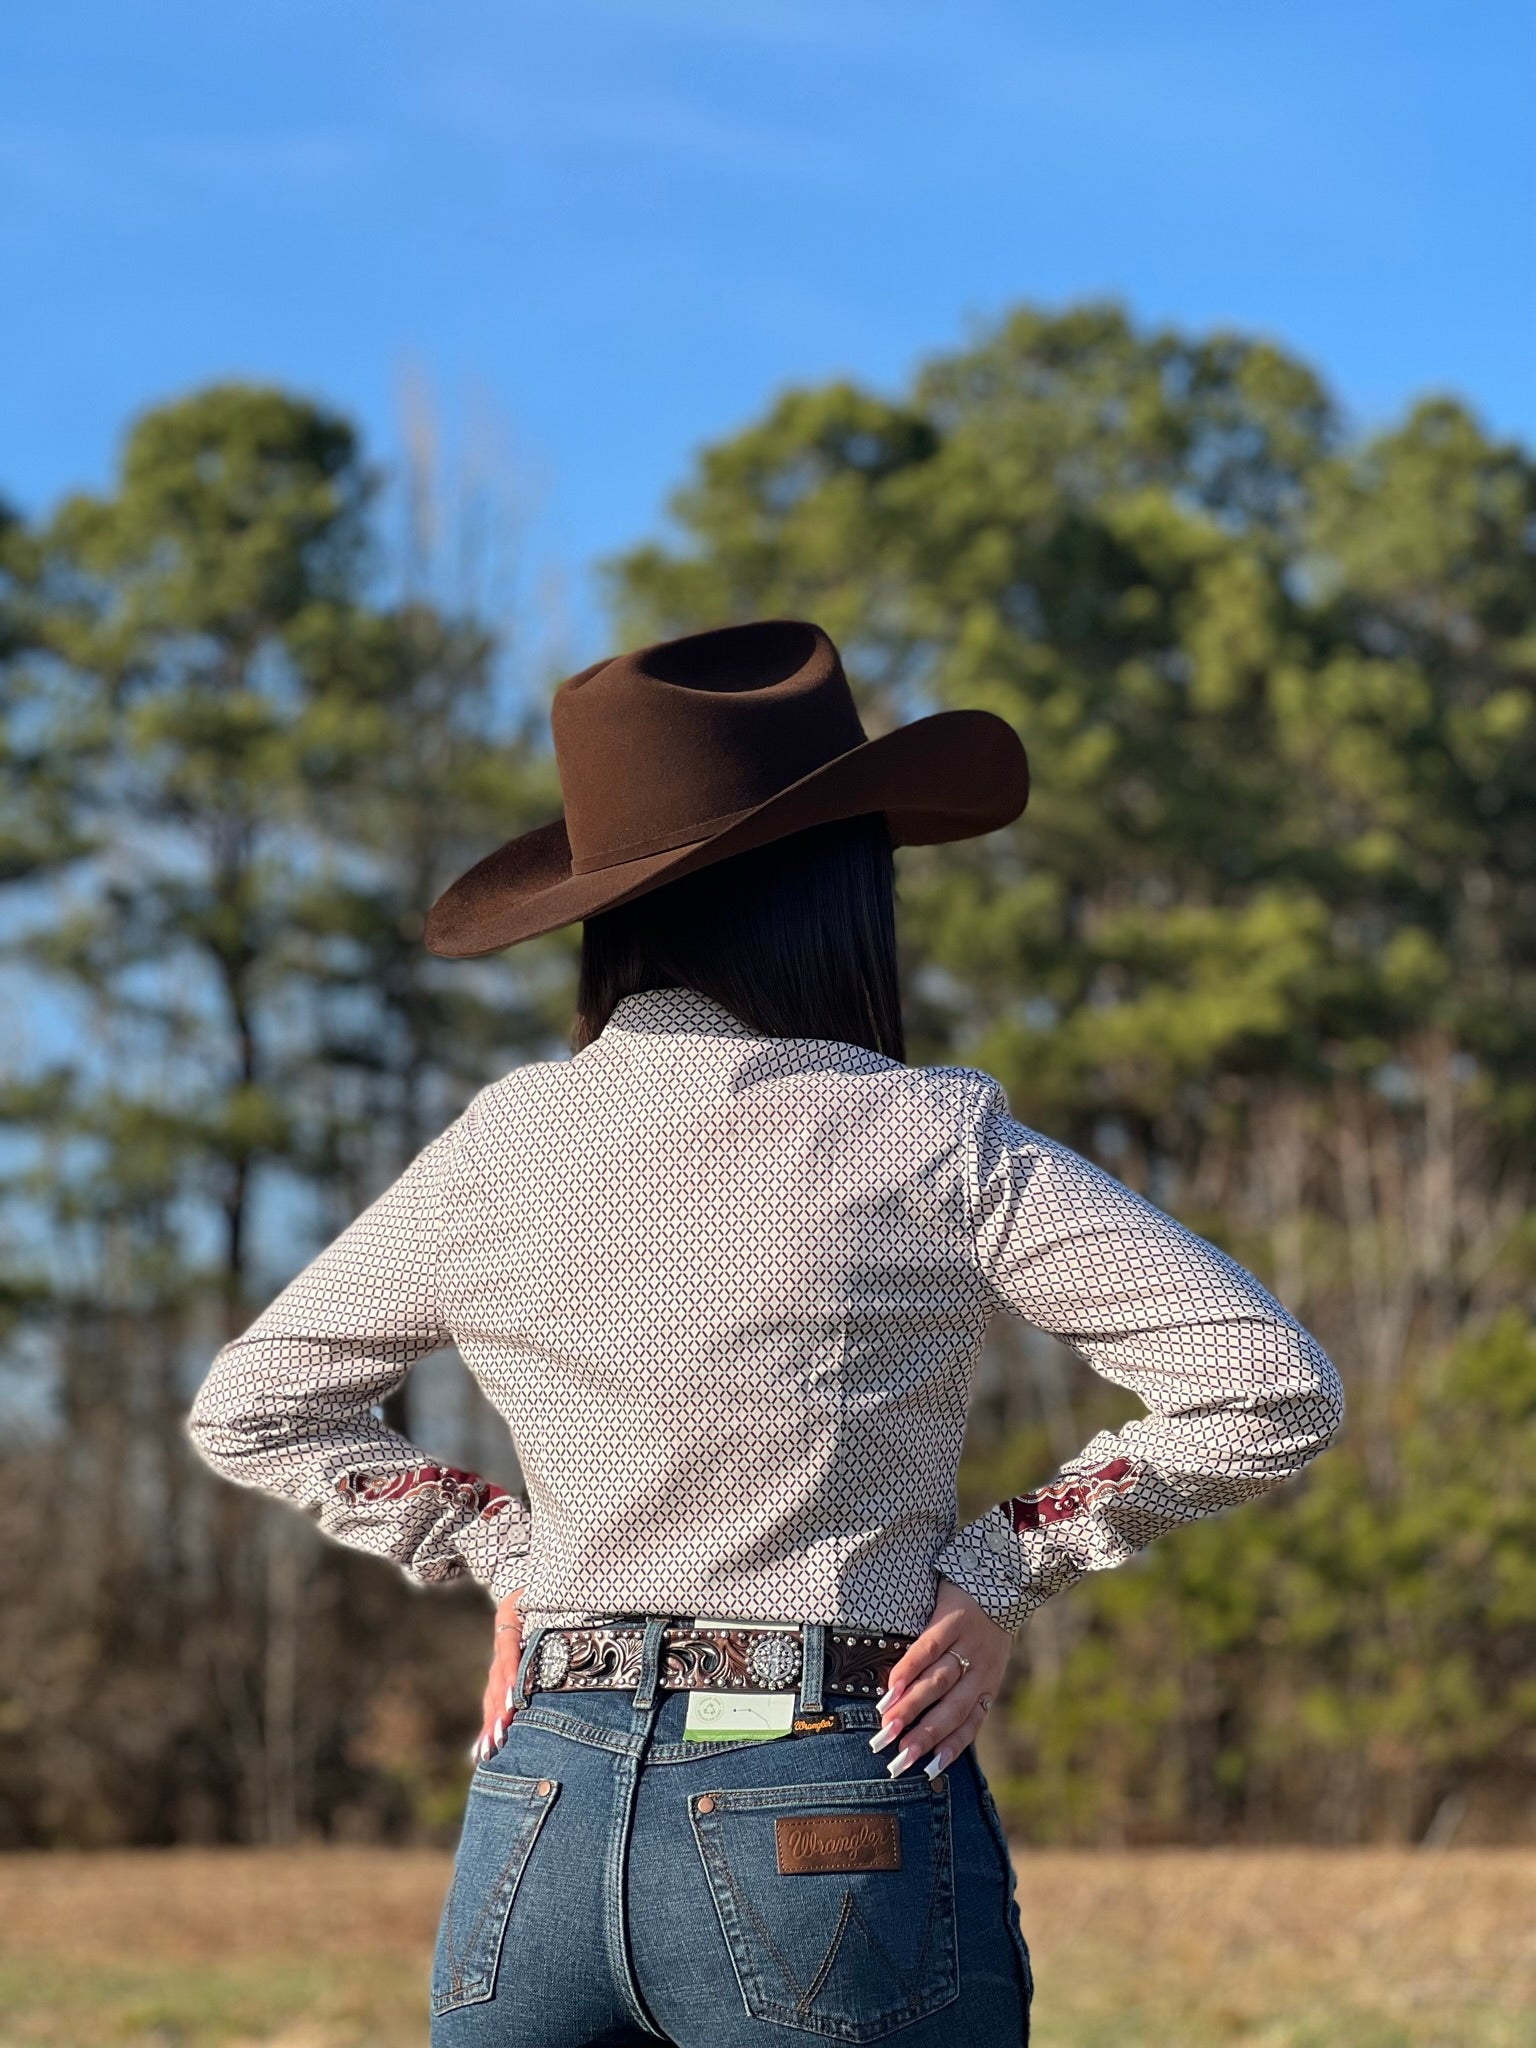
column 616, row 1886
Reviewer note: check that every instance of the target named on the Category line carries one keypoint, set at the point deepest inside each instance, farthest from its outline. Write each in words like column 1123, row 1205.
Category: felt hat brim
column 951, row 775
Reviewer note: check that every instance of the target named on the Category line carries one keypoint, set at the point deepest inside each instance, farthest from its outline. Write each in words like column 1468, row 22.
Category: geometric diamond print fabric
column 728, row 1291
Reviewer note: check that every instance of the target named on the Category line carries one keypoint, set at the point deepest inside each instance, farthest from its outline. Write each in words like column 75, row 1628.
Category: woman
column 726, row 1272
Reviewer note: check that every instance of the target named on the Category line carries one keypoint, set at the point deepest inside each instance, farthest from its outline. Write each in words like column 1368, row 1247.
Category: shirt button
column 995, row 1536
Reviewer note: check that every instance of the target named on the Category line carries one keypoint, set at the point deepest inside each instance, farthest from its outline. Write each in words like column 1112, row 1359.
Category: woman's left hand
column 496, row 1707
column 933, row 1701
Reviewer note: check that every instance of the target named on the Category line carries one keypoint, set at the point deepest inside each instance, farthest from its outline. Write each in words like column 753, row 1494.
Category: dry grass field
column 1167, row 1949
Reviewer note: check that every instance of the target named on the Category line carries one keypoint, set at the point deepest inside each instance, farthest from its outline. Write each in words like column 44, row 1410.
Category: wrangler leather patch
column 837, row 1841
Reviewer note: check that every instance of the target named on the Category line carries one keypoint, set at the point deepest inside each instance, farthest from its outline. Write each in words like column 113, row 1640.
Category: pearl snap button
column 995, row 1536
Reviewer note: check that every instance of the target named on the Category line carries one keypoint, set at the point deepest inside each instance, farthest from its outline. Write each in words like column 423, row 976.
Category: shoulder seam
column 449, row 1165
column 976, row 1087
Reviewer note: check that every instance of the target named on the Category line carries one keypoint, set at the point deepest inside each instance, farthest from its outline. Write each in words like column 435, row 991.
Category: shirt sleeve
column 1238, row 1396
column 289, row 1406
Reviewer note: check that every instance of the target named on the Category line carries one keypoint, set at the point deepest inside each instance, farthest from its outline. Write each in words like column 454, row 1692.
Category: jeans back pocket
column 837, row 1901
column 501, row 1824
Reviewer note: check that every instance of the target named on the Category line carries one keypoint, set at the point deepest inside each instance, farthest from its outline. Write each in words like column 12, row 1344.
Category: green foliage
column 244, row 772
column 1307, row 1631
column 1275, row 690
column 273, row 774
column 236, row 508
column 1265, row 941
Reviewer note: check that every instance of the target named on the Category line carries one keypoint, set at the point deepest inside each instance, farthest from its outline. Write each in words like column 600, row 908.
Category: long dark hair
column 796, row 938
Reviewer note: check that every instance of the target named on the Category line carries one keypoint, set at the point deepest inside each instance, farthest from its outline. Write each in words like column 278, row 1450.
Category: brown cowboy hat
column 686, row 752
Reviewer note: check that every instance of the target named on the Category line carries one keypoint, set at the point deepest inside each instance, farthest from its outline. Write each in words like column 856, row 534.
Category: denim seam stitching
column 696, row 1752
column 463, row 1988
column 824, row 1969
column 577, row 1731
column 626, row 1785
column 749, row 1975
column 510, row 1880
column 745, row 1905
column 1021, row 1957
column 838, row 1792
column 458, row 1994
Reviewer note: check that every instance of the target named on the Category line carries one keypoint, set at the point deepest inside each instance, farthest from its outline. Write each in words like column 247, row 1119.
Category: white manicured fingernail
column 507, row 1702
column 900, row 1761
column 474, row 1749
column 886, row 1735
column 886, row 1697
column 500, row 1732
column 936, row 1763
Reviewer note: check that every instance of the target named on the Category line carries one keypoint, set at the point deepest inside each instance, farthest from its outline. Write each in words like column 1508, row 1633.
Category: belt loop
column 650, row 1661
column 813, row 1652
column 525, row 1663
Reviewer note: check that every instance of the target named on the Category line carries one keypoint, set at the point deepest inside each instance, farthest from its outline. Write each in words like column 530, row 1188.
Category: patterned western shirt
column 729, row 1291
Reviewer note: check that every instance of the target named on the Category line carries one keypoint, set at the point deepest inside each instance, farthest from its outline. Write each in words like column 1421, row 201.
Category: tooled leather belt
column 745, row 1658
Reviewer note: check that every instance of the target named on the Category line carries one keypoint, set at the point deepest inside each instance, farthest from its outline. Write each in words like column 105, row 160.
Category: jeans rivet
column 706, row 1804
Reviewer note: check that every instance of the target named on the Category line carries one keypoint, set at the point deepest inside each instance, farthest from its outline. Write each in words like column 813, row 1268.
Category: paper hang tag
column 738, row 1716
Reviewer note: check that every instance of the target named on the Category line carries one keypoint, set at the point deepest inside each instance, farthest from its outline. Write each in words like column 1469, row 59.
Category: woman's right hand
column 496, row 1706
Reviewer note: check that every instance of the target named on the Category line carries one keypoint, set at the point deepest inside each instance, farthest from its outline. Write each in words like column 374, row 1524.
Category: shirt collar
column 653, row 1021
column 674, row 1011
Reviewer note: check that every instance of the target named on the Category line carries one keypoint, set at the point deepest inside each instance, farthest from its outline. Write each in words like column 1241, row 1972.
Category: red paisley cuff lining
column 455, row 1488
column 1063, row 1498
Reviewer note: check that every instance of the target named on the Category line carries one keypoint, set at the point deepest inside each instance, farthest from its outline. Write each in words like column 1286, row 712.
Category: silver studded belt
column 746, row 1659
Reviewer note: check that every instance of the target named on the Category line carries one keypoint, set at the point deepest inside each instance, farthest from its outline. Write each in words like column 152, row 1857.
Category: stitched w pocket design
column 501, row 1824
column 837, row 1902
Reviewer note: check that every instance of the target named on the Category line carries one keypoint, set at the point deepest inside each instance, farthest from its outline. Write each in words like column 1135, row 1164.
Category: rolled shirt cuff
column 1007, row 1573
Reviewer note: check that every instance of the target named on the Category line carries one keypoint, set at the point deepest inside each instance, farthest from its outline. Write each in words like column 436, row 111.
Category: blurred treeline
column 1264, row 943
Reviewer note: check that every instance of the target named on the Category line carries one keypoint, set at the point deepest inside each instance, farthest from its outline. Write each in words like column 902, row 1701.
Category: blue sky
column 602, row 232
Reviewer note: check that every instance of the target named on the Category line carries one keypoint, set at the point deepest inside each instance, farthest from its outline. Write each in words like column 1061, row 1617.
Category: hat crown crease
column 669, row 745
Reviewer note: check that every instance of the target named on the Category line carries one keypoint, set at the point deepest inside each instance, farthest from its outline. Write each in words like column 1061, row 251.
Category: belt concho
column 741, row 1659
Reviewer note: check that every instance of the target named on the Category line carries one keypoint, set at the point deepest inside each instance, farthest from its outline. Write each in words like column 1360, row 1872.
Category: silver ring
column 963, row 1662
column 985, row 1701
